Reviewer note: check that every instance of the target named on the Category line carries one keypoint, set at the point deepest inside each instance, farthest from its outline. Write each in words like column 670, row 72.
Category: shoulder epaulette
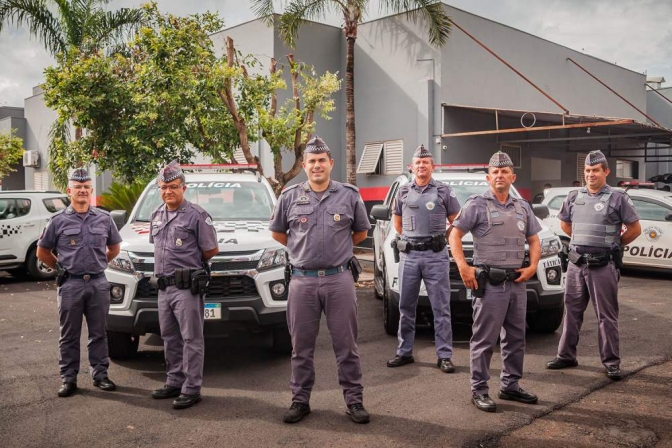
column 350, row 186
column 291, row 187
column 198, row 208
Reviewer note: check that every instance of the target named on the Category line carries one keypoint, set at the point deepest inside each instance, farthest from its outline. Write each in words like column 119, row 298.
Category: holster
column 403, row 246
column 355, row 268
column 438, row 243
column 395, row 248
column 617, row 254
column 61, row 275
column 564, row 259
column 288, row 273
column 199, row 282
column 183, row 278
column 154, row 281
column 575, row 257
column 481, row 279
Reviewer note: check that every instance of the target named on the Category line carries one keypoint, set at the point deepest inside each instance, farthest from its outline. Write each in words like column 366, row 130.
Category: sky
column 636, row 34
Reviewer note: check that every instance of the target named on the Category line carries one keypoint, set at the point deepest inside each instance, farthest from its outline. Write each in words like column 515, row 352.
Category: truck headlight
column 550, row 246
column 272, row 258
column 122, row 262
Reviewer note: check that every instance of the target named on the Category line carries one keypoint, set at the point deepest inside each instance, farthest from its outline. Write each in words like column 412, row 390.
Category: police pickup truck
column 247, row 290
column 651, row 249
column 544, row 291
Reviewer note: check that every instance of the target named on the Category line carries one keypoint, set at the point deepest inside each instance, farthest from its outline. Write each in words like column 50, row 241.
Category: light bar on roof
column 220, row 167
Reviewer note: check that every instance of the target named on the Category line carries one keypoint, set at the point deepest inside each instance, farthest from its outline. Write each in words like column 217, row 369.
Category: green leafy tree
column 169, row 96
column 11, row 151
column 297, row 12
column 121, row 197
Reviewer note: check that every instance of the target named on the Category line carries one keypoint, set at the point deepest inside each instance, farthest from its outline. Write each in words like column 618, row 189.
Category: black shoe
column 399, row 361
column 446, row 365
column 166, row 392
column 357, row 413
column 185, row 401
column 614, row 373
column 484, row 403
column 518, row 395
column 296, row 412
column 67, row 389
column 560, row 363
column 105, row 384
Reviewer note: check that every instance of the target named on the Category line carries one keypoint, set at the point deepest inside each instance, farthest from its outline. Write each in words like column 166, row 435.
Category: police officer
column 500, row 225
column 184, row 238
column 593, row 217
column 420, row 213
column 319, row 221
column 85, row 239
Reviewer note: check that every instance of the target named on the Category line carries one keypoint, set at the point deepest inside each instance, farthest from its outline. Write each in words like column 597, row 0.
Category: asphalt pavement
column 246, row 387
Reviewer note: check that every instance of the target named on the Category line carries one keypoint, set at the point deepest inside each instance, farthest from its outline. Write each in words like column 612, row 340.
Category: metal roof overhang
column 583, row 132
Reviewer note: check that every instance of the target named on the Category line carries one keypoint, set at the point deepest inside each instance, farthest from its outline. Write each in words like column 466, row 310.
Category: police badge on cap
column 595, row 157
column 500, row 159
column 316, row 146
column 421, row 152
column 80, row 175
column 170, row 172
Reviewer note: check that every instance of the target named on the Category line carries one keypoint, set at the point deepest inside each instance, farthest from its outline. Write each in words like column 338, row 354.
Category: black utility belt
column 195, row 280
column 84, row 276
column 436, row 244
column 591, row 260
column 497, row 276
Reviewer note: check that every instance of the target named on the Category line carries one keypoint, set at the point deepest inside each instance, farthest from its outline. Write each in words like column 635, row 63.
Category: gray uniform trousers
column 600, row 285
column 77, row 299
column 501, row 312
column 181, row 320
column 308, row 298
column 432, row 267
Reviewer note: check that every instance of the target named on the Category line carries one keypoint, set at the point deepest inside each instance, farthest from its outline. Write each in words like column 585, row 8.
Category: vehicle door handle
column 32, row 224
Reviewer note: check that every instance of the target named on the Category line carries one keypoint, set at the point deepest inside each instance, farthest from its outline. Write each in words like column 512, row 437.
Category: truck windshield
column 465, row 188
column 225, row 201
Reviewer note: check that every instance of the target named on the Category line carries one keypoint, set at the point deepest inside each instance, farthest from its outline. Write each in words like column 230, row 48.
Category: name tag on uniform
column 303, row 200
column 413, row 206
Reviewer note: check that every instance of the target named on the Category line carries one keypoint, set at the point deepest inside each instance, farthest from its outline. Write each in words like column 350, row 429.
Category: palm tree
column 61, row 24
column 298, row 11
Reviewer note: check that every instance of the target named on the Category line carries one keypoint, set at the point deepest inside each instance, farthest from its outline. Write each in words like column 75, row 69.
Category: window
column 382, row 158
column 581, row 167
column 556, row 202
column 514, row 152
column 625, row 169
column 14, row 208
column 650, row 211
column 55, row 204
column 41, row 180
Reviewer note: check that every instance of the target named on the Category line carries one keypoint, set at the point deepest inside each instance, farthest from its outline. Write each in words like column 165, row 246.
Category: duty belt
column 598, row 260
column 165, row 282
column 85, row 276
column 497, row 276
column 319, row 272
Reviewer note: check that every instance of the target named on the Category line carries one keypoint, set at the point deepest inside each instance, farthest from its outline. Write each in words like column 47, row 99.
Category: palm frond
column 431, row 11
column 296, row 14
column 40, row 21
column 264, row 10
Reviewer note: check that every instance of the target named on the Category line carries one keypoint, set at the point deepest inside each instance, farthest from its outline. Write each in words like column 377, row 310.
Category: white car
column 23, row 215
column 544, row 291
column 653, row 248
column 247, row 290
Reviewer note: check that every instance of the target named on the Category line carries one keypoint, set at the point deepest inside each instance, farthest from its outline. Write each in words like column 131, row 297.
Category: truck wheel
column 282, row 341
column 546, row 321
column 390, row 315
column 36, row 268
column 122, row 345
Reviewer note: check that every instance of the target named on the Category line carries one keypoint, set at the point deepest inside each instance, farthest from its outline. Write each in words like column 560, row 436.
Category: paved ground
column 246, row 388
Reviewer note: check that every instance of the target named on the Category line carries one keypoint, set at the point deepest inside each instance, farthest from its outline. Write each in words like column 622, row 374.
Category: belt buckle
column 86, row 277
column 321, row 273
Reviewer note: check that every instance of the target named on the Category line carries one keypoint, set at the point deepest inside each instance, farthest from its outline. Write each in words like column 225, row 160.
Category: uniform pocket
column 338, row 218
column 437, row 223
column 97, row 236
column 181, row 236
column 301, row 219
column 72, row 237
column 408, row 223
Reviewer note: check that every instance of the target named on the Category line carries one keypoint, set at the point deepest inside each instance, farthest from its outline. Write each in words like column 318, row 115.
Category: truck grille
column 228, row 287
column 216, row 266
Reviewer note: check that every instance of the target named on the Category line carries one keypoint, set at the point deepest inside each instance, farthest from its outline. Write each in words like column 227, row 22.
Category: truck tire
column 36, row 268
column 122, row 345
column 282, row 341
column 390, row 315
column 546, row 321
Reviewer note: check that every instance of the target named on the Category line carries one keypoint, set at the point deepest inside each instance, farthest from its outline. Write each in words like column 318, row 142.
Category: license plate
column 470, row 295
column 213, row 311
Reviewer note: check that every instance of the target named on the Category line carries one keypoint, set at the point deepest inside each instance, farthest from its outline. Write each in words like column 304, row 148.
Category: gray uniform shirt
column 621, row 210
column 446, row 197
column 474, row 215
column 81, row 239
column 319, row 231
column 180, row 239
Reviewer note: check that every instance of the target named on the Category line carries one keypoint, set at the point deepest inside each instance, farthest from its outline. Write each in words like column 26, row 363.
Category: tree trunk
column 350, row 142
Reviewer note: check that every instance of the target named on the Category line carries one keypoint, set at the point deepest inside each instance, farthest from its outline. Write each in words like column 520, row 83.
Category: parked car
column 23, row 215
column 544, row 291
column 653, row 248
column 247, row 290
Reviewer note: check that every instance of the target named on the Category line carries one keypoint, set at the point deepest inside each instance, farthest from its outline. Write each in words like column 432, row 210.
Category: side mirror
column 119, row 218
column 668, row 217
column 540, row 211
column 380, row 212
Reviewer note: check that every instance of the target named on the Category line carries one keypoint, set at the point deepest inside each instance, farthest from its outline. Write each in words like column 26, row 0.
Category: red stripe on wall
column 526, row 193
column 373, row 193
